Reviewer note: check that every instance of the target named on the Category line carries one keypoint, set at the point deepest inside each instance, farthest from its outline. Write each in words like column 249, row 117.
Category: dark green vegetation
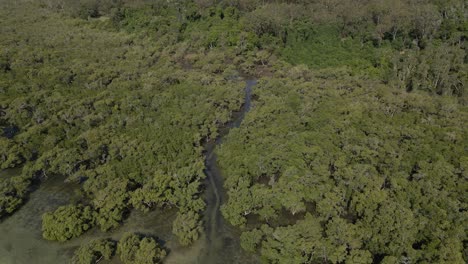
column 131, row 249
column 12, row 193
column 94, row 251
column 134, row 249
column 334, row 172
column 67, row 222
column 355, row 149
column 121, row 118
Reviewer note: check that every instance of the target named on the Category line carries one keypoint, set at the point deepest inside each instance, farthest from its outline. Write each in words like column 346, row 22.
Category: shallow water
column 20, row 240
column 223, row 245
column 20, row 234
column 220, row 244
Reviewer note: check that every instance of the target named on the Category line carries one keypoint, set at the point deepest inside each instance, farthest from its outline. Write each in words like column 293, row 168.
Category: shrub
column 134, row 249
column 67, row 222
column 94, row 251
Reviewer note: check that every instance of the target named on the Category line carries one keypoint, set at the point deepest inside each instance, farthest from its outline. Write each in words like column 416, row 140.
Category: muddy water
column 20, row 234
column 223, row 245
column 220, row 244
column 20, row 240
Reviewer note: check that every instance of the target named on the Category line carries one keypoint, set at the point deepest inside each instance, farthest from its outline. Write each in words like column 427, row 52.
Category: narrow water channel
column 222, row 239
column 21, row 237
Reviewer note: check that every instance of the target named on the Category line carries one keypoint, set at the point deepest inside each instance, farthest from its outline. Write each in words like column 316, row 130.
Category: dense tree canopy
column 358, row 170
column 94, row 251
column 122, row 117
column 12, row 194
column 67, row 222
column 354, row 150
column 134, row 249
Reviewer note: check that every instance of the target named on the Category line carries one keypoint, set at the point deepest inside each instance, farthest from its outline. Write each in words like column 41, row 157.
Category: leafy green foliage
column 67, row 222
column 94, row 251
column 250, row 240
column 347, row 173
column 119, row 114
column 354, row 150
column 323, row 47
column 134, row 249
column 12, row 194
column 438, row 69
column 11, row 154
column 110, row 204
column 187, row 227
column 154, row 193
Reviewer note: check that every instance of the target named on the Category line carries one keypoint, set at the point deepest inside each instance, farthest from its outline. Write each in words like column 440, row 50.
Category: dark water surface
column 20, row 234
